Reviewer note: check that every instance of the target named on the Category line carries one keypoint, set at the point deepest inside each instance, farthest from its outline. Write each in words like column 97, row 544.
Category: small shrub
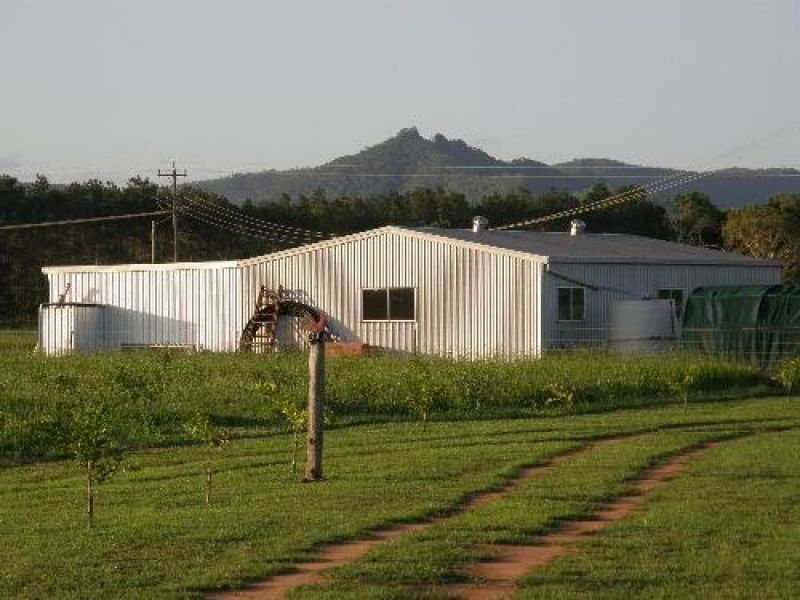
column 787, row 374
column 683, row 383
column 560, row 395
column 93, row 442
column 425, row 391
column 203, row 428
column 296, row 418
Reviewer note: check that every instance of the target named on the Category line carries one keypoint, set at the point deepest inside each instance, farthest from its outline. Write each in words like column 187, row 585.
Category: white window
column 388, row 304
column 571, row 304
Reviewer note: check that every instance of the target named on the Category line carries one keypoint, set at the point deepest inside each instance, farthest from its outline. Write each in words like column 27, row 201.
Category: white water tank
column 642, row 325
column 70, row 327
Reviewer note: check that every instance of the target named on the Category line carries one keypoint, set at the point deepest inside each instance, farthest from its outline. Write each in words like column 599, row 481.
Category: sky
column 110, row 89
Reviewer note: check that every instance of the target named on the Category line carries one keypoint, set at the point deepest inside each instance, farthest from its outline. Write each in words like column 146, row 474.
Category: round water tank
column 642, row 325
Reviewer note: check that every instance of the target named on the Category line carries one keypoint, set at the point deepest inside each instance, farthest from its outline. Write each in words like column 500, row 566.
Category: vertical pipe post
column 174, row 174
column 153, row 242
column 174, row 214
column 316, row 396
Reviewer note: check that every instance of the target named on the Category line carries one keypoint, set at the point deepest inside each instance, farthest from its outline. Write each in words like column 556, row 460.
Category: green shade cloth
column 755, row 323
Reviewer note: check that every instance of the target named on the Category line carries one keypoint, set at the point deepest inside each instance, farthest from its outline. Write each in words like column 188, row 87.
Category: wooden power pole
column 174, row 175
column 316, row 408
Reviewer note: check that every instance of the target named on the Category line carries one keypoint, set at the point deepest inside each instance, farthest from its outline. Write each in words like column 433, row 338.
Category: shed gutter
column 182, row 266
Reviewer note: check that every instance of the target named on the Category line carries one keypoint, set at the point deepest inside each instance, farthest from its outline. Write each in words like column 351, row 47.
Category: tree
column 204, row 429
column 771, row 232
column 91, row 439
column 635, row 216
column 296, row 417
column 697, row 220
column 40, row 186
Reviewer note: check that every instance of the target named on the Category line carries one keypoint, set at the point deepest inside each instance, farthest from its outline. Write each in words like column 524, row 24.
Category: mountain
column 408, row 160
column 409, row 152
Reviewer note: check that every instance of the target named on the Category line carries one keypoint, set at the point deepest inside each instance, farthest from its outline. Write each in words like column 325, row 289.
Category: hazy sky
column 112, row 88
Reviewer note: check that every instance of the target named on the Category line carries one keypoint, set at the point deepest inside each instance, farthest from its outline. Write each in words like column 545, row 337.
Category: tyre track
column 496, row 578
column 334, row 555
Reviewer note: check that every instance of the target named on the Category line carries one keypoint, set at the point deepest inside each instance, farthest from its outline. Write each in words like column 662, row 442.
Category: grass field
column 155, row 538
column 729, row 528
column 407, row 439
column 151, row 397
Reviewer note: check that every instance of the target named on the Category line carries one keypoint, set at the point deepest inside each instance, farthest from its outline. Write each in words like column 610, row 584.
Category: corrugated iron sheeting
column 630, row 282
column 469, row 303
column 71, row 328
column 193, row 308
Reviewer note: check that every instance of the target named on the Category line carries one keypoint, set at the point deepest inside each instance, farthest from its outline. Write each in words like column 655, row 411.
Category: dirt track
column 334, row 555
column 496, row 578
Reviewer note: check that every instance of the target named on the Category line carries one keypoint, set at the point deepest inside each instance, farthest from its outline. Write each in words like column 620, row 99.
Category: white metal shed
column 433, row 291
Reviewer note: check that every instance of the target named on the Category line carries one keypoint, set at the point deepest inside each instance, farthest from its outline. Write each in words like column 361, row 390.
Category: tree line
column 215, row 229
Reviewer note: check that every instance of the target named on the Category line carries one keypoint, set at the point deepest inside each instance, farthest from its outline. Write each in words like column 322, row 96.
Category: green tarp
column 756, row 323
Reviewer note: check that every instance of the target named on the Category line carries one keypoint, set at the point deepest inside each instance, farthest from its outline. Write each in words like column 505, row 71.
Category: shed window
column 388, row 304
column 675, row 295
column 375, row 305
column 571, row 304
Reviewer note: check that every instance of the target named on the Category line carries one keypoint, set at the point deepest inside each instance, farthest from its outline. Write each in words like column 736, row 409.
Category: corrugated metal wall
column 469, row 302
column 197, row 307
column 629, row 282
column 70, row 327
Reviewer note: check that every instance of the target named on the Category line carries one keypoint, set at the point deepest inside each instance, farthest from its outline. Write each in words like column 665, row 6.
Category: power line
column 198, row 213
column 279, row 237
column 239, row 229
column 676, row 179
column 78, row 221
column 637, row 193
column 250, row 221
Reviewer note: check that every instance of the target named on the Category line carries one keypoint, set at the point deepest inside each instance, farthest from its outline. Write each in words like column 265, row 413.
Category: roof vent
column 479, row 224
column 576, row 227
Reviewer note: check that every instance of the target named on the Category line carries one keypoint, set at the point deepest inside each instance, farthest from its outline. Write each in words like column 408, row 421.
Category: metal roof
column 557, row 247
column 546, row 247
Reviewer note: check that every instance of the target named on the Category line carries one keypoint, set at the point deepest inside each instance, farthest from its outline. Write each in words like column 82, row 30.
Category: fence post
column 316, row 396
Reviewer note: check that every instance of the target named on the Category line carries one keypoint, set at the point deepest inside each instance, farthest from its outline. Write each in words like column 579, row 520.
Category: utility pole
column 316, row 402
column 174, row 175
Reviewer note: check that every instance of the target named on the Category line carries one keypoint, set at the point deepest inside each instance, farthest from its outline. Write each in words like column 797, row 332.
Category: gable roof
column 557, row 247
column 551, row 247
column 546, row 247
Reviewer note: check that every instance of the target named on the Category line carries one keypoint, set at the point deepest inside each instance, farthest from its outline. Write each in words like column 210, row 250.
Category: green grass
column 155, row 538
column 729, row 528
column 17, row 340
column 152, row 396
column 432, row 556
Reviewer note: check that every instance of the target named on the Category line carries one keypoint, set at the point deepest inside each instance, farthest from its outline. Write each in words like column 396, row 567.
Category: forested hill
column 409, row 161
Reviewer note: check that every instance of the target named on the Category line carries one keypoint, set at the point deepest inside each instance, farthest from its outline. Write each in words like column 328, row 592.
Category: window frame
column 571, row 289
column 389, row 318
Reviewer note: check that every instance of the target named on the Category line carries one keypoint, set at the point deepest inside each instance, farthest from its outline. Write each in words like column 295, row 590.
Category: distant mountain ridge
column 408, row 160
column 409, row 152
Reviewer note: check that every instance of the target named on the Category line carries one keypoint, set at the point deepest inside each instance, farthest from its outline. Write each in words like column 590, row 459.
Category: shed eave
column 181, row 266
column 391, row 229
column 354, row 237
column 755, row 263
column 476, row 245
